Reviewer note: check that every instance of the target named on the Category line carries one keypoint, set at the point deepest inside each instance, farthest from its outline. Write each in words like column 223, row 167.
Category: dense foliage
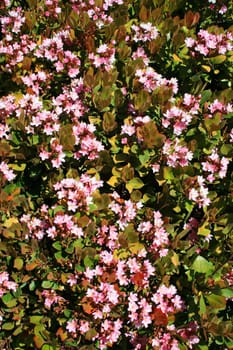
column 116, row 200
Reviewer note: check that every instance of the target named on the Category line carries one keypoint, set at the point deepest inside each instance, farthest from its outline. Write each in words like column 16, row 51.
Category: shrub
column 116, row 144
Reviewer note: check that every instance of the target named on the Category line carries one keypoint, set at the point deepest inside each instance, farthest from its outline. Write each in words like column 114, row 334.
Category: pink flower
column 176, row 153
column 223, row 10
column 152, row 80
column 144, row 32
column 190, row 42
column 215, row 166
column 7, row 172
column 5, row 284
column 199, row 194
column 51, row 298
column 72, row 326
column 84, row 327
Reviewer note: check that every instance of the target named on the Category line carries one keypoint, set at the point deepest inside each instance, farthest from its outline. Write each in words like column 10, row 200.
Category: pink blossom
column 152, row 80
column 51, row 298
column 176, row 153
column 121, row 273
column 84, row 327
column 207, row 43
column 215, row 166
column 144, row 32
column 7, row 172
column 199, row 194
column 72, row 326
column 140, row 53
column 5, row 284
column 167, row 300
column 105, row 57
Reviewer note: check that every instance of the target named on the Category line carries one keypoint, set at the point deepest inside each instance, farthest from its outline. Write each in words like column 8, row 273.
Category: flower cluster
column 176, row 153
column 104, row 57
column 14, row 52
column 218, row 107
column 51, row 298
column 74, row 195
column 199, row 193
column 140, row 53
column 209, row 44
column 157, row 233
column 152, row 80
column 99, row 14
column 85, row 141
column 5, row 284
column 52, row 8
column 144, row 32
column 7, row 173
column 167, row 300
column 218, row 5
column 53, row 50
column 7, row 108
column 55, row 154
column 77, row 194
column 12, row 23
column 60, row 224
column 181, row 116
column 125, row 210
column 69, row 103
column 215, row 166
column 108, row 281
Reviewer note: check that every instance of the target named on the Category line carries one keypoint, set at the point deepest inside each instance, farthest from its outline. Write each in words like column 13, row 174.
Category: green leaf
column 205, row 96
column 189, row 206
column 36, row 319
column 113, row 181
column 7, row 297
column 47, row 284
column 131, row 234
column 203, row 231
column 201, row 265
column 202, row 305
column 216, row 301
column 228, row 116
column 101, row 200
column 47, row 347
column 218, row 59
column 11, row 303
column 168, row 173
column 144, row 158
column 57, row 245
column 229, row 344
column 109, row 122
column 175, row 259
column 17, row 167
column 18, row 263
column 134, row 184
column 135, row 248
column 225, row 292
column 88, row 261
column 58, row 208
column 18, row 330
column 92, row 207
column 32, row 286
column 8, row 326
column 226, row 149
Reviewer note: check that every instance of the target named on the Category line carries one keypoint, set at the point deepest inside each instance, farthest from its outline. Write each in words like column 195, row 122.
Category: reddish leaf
column 160, row 318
